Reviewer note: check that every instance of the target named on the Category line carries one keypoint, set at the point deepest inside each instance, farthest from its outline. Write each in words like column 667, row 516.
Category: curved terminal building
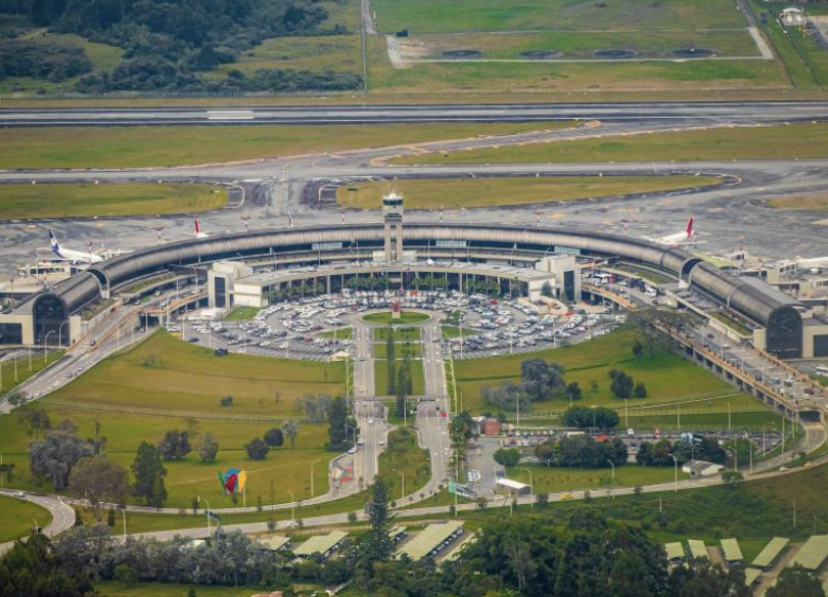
column 509, row 259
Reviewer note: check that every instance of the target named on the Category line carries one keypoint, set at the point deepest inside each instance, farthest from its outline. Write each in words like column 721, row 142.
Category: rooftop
column 429, row 539
column 770, row 552
column 320, row 544
column 812, row 554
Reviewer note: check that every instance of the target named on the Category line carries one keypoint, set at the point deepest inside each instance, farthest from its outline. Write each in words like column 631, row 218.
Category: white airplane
column 687, row 236
column 198, row 233
column 812, row 262
column 70, row 255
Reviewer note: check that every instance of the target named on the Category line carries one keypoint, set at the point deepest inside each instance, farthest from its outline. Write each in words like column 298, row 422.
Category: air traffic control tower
column 392, row 211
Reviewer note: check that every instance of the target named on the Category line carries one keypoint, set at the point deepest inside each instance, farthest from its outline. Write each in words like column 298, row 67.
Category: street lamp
column 60, row 333
column 612, row 464
column 675, row 464
column 402, row 490
column 46, row 343
column 292, row 505
column 207, row 514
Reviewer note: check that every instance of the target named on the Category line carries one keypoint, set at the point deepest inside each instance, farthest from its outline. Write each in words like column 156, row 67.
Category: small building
column 698, row 550
column 770, row 553
column 701, row 468
column 510, row 487
column 751, row 576
column 732, row 552
column 431, row 541
column 675, row 553
column 321, row 545
column 792, row 17
column 275, row 543
column 813, row 554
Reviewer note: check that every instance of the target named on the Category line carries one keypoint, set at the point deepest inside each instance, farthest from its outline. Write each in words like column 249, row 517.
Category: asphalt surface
column 62, row 515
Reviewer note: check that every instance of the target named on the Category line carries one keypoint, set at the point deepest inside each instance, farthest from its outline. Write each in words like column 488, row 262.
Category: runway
column 734, row 112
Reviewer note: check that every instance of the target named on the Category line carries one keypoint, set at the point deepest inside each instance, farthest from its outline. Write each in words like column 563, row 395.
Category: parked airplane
column 812, row 262
column 687, row 236
column 198, row 232
column 71, row 255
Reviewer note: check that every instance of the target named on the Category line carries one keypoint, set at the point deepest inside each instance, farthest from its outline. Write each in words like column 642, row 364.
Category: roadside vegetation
column 25, row 201
column 18, row 517
column 486, row 192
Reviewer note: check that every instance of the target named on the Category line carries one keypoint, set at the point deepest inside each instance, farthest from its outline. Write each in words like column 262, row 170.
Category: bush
column 274, row 437
column 507, row 457
column 257, row 449
column 226, row 401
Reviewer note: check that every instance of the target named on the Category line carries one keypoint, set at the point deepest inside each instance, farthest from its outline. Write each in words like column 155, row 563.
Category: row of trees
column 661, row 452
column 539, row 380
column 582, row 452
column 624, row 386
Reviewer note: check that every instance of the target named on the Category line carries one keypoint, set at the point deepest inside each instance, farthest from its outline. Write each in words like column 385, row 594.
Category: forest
column 167, row 44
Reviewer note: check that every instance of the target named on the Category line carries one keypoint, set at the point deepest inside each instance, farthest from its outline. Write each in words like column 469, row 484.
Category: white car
column 370, row 421
column 352, row 450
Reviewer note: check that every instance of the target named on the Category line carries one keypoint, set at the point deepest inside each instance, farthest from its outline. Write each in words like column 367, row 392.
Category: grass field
column 167, row 384
column 800, row 140
column 553, row 479
column 403, row 349
column 15, row 371
column 153, row 589
column 381, row 377
column 400, row 334
column 17, row 518
column 241, row 314
column 340, row 333
column 25, row 201
column 485, row 15
column 486, row 192
column 386, row 318
column 805, row 201
column 404, row 457
column 674, row 386
column 126, row 147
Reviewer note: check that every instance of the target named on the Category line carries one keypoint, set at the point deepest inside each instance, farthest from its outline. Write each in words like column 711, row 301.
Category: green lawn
column 732, row 323
column 110, row 588
column 404, row 457
column 345, row 333
column 167, row 384
column 405, row 318
column 812, row 202
column 17, row 518
column 241, row 314
column 553, row 479
column 669, row 380
column 15, row 371
column 800, row 140
column 485, row 15
column 400, row 334
column 25, row 201
column 451, row 331
column 381, row 377
column 403, row 349
column 486, row 192
column 148, row 146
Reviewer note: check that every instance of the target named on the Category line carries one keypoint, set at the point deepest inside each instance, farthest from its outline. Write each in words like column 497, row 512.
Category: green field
column 17, row 518
column 381, row 377
column 25, row 201
column 112, row 588
column 15, row 371
column 167, row 384
column 800, row 140
column 136, row 147
column 339, row 333
column 411, row 349
column 386, row 318
column 450, row 331
column 486, row 192
column 404, row 457
column 485, row 15
column 674, row 386
column 241, row 314
column 400, row 334
column 810, row 202
column 553, row 479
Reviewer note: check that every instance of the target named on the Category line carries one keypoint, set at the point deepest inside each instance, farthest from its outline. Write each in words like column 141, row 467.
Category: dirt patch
column 616, row 54
column 692, row 52
column 462, row 54
column 540, row 54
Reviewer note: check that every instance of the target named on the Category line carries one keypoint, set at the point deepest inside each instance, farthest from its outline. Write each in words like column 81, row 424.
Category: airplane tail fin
column 53, row 241
column 690, row 230
column 197, row 229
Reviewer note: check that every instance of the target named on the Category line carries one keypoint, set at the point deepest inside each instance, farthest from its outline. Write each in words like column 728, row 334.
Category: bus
column 822, row 370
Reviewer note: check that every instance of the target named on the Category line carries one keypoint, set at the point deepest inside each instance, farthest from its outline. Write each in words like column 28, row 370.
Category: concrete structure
column 770, row 553
column 752, row 575
column 566, row 281
column 509, row 487
column 732, row 552
column 779, row 316
column 697, row 549
column 320, row 545
column 431, row 541
column 392, row 214
column 221, row 280
column 701, row 468
column 675, row 553
column 275, row 543
column 813, row 554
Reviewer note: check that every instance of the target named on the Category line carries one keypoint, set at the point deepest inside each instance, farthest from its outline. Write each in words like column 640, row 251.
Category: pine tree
column 146, row 467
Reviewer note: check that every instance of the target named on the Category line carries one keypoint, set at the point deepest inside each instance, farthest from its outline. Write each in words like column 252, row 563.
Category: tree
column 582, row 417
column 30, row 568
column 640, row 390
column 36, row 420
column 507, row 457
column 98, row 442
column 96, row 478
column 208, row 448
column 158, row 493
column 226, row 401
column 337, row 434
column 290, row 429
column 796, row 582
column 257, row 449
column 148, row 469
column 542, row 500
column 55, row 455
column 622, row 384
column 110, row 517
column 125, row 575
column 573, row 391
column 274, row 437
column 541, row 380
column 175, row 445
column 376, row 545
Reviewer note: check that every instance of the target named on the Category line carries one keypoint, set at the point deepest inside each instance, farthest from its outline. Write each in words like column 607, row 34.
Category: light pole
column 612, row 464
column 123, row 513
column 531, row 485
column 60, row 332
column 207, row 514
column 46, row 344
column 675, row 465
column 402, row 490
column 292, row 505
